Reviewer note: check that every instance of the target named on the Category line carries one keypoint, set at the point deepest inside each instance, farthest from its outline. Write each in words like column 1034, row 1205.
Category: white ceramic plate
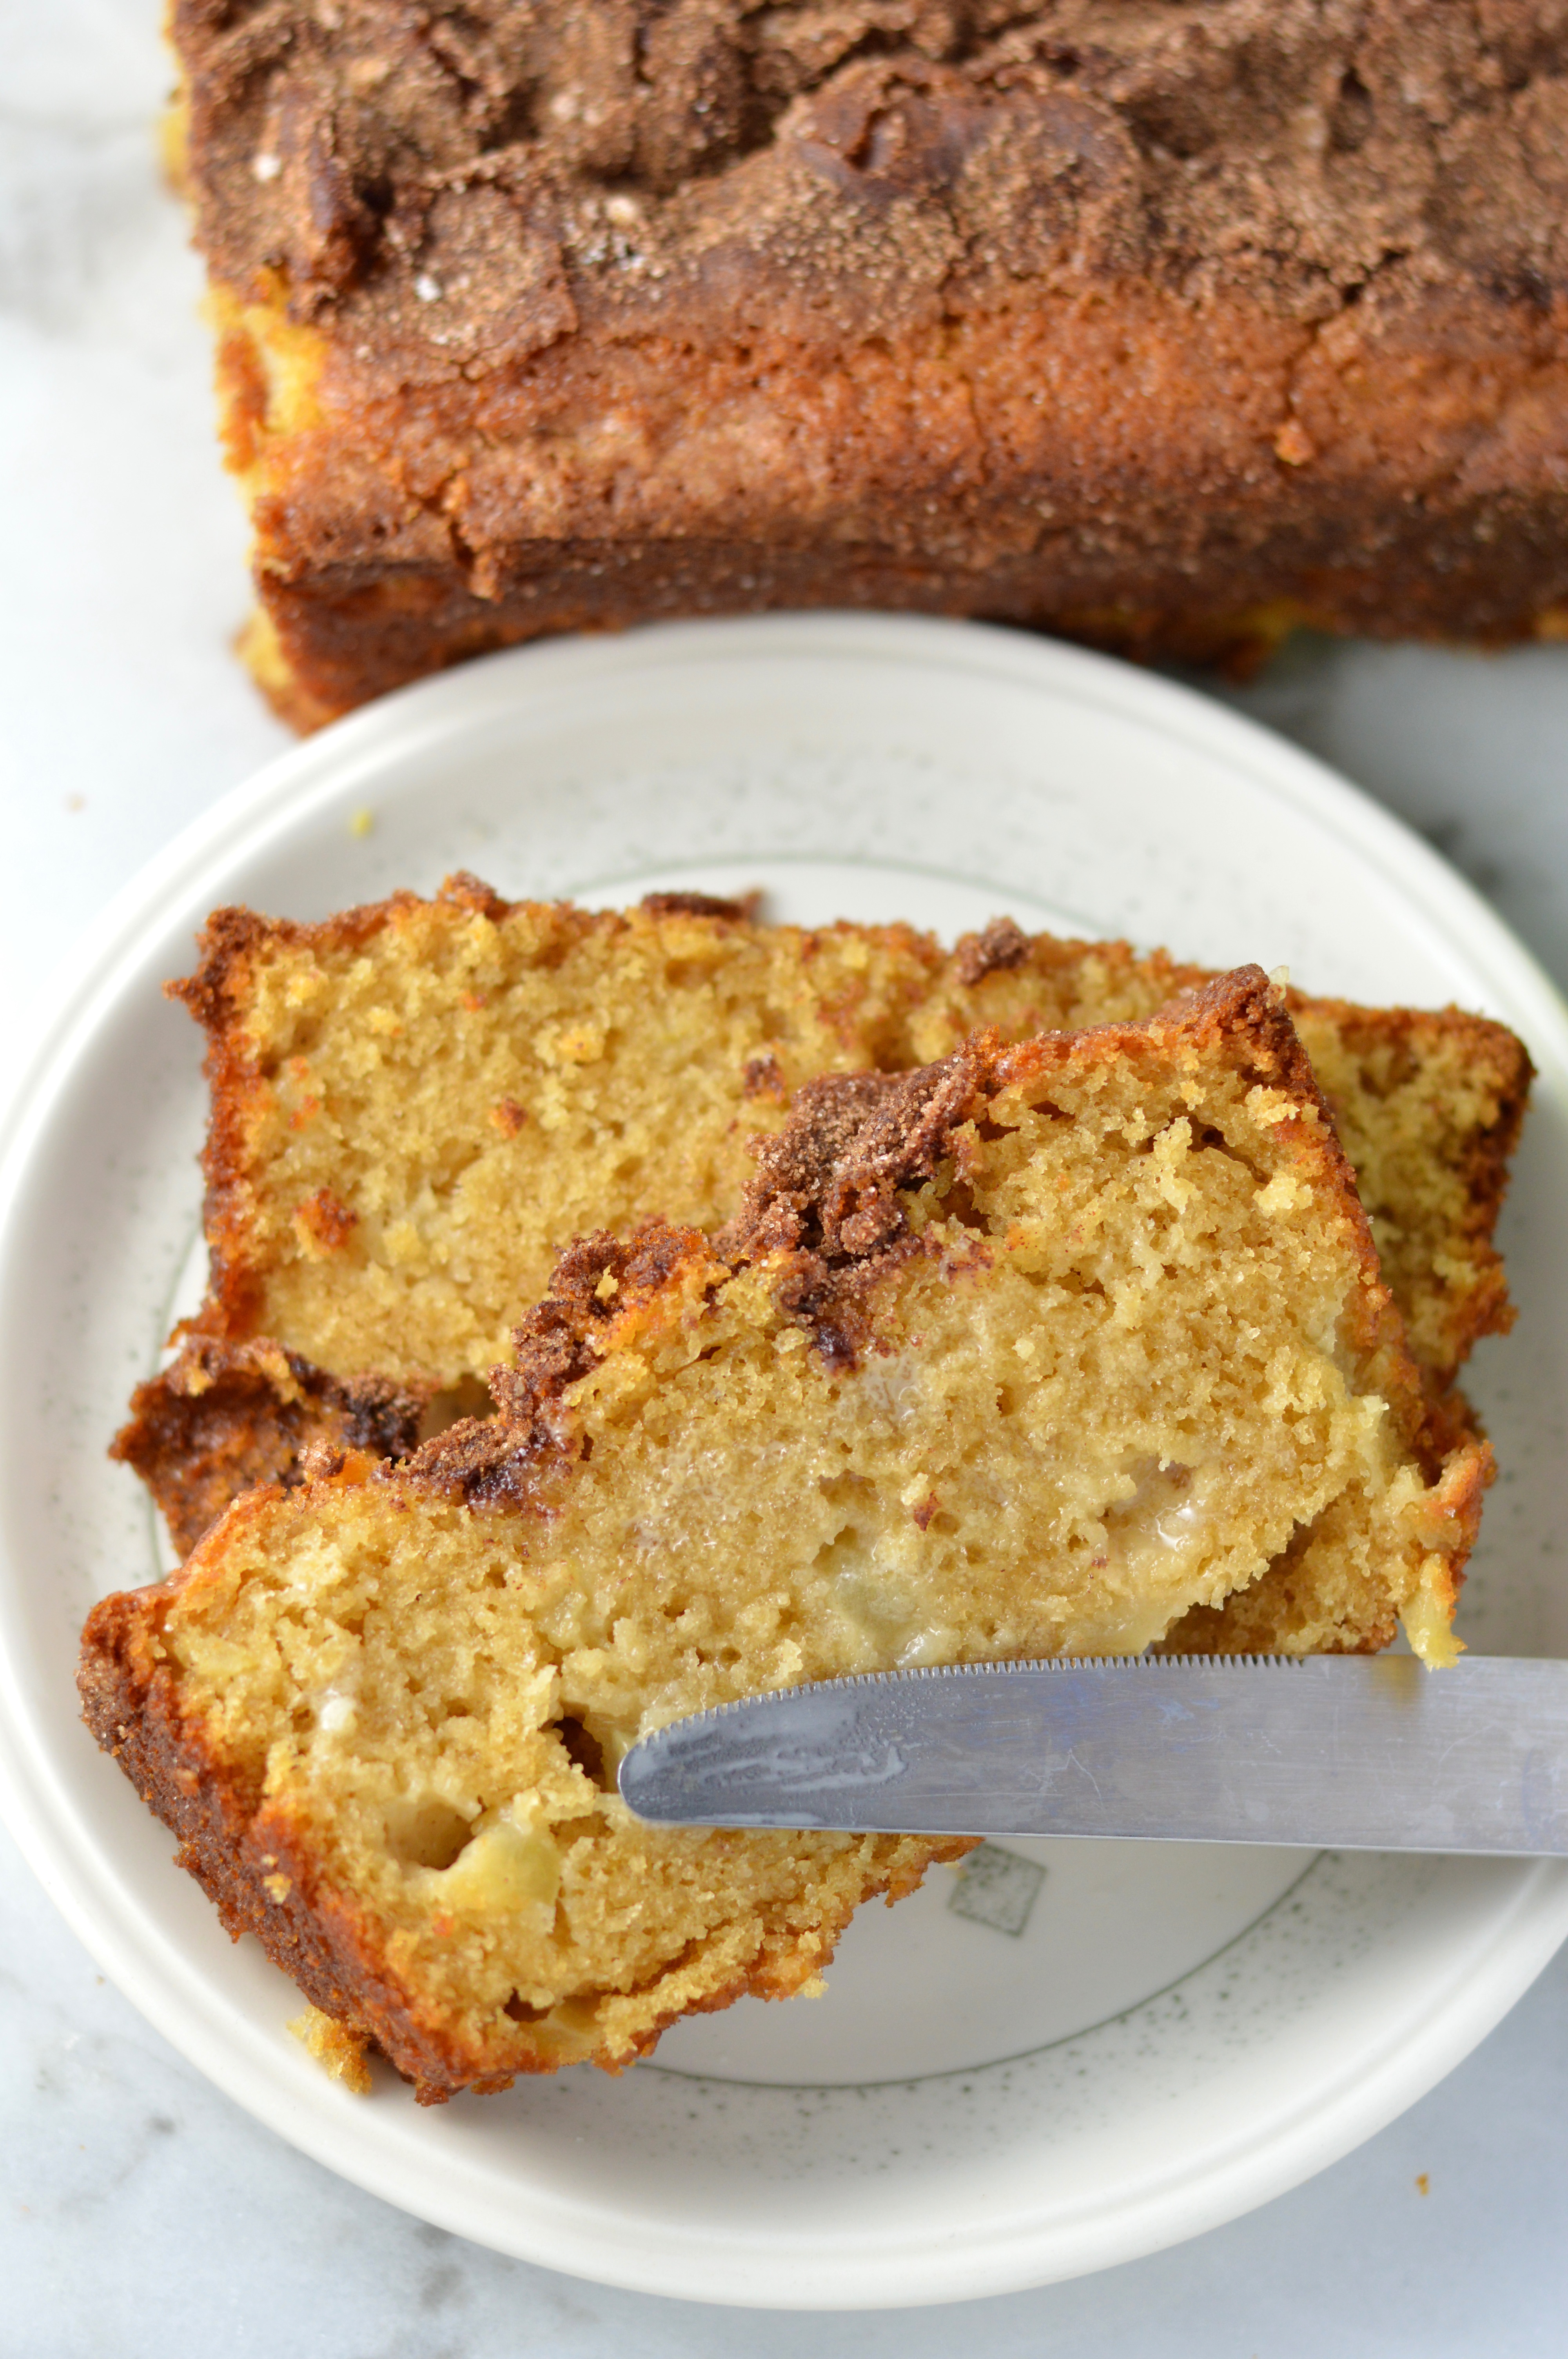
column 1081, row 2052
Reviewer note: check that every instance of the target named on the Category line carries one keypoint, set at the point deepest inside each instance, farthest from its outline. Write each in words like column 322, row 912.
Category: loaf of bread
column 1167, row 326
column 1027, row 1353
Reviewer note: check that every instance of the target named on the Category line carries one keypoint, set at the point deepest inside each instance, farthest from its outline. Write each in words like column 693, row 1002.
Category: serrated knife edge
column 1343, row 1752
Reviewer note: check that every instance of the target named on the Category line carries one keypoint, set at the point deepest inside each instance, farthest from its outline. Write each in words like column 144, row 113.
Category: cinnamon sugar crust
column 865, row 154
column 1170, row 325
column 223, row 1419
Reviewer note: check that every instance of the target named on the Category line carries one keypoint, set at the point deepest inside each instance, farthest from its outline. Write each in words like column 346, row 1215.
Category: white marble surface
column 140, row 2212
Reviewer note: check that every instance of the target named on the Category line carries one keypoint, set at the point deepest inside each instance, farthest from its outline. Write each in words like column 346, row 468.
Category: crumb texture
column 1032, row 1353
column 340, row 2054
column 417, row 1107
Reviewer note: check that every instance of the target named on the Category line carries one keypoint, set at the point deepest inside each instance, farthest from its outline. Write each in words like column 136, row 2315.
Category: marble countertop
column 142, row 2212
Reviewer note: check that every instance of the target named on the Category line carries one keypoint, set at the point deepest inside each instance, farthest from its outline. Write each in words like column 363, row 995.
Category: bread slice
column 1026, row 1352
column 417, row 1107
column 1428, row 1104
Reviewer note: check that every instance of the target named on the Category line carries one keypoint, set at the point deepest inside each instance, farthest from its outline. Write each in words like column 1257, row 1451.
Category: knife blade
column 1332, row 1751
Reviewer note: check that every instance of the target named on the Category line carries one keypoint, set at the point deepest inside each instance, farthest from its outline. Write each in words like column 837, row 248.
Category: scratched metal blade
column 1338, row 1752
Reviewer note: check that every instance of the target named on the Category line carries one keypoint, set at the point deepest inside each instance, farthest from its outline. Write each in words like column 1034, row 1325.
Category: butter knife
column 1335, row 1752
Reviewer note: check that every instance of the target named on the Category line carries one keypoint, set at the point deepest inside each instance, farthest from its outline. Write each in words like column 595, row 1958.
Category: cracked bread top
column 458, row 187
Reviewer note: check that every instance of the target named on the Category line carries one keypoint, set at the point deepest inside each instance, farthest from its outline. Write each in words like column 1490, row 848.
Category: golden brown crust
column 257, row 1879
column 735, row 912
column 223, row 1419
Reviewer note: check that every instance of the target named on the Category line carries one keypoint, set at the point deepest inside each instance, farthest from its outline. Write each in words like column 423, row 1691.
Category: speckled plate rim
column 101, row 1905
